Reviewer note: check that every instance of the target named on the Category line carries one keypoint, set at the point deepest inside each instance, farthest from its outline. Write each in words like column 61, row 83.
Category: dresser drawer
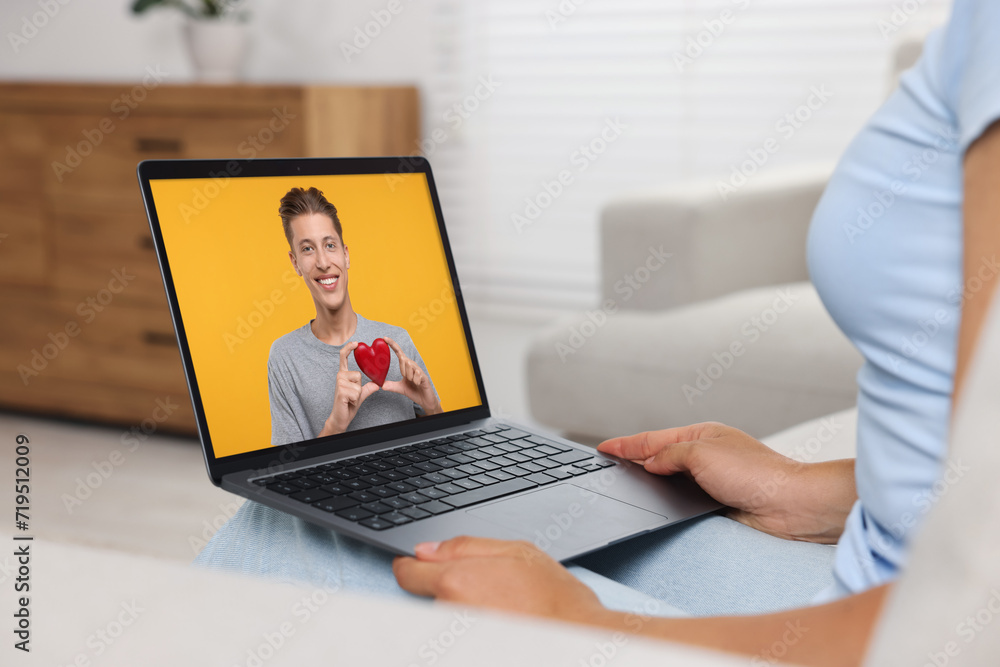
column 61, row 343
column 111, row 158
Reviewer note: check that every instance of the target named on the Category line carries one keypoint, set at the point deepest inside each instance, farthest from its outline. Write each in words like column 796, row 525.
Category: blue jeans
column 707, row 566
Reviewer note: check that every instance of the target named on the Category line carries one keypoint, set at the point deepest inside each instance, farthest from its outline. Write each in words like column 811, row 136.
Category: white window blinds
column 566, row 104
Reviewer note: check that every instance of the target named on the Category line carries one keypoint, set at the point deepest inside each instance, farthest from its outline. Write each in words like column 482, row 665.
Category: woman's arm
column 981, row 211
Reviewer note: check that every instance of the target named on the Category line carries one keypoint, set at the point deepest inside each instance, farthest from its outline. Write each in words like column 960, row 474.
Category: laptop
column 406, row 449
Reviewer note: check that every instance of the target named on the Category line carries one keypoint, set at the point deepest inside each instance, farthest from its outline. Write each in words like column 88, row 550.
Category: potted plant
column 215, row 32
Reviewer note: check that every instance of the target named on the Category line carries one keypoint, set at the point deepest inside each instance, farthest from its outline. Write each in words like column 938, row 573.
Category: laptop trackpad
column 568, row 517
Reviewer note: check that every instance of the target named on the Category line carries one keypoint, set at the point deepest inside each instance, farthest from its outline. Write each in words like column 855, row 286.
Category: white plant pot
column 217, row 49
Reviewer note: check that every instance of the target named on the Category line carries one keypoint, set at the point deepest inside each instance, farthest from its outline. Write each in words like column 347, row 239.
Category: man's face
column 321, row 258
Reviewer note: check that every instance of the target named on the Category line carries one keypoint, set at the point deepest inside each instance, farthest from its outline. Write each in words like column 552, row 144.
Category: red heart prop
column 373, row 361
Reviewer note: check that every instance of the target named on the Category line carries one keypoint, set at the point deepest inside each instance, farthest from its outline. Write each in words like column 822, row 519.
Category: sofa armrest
column 755, row 237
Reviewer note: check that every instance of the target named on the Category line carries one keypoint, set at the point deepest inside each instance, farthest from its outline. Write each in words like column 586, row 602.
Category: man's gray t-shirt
column 302, row 379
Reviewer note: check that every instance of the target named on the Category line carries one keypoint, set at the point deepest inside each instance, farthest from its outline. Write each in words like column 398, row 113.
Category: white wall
column 292, row 41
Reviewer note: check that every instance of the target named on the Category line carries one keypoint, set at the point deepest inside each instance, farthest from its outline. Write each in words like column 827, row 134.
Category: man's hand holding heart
column 415, row 384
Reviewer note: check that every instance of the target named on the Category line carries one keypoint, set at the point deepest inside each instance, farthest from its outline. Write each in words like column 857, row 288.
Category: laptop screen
column 275, row 277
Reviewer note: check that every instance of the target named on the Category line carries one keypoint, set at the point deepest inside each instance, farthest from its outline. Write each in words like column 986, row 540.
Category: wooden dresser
column 75, row 341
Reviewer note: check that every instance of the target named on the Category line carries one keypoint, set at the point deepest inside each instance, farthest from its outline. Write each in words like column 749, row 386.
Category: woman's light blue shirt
column 885, row 253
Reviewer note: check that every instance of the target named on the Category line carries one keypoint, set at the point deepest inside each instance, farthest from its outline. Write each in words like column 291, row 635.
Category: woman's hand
column 510, row 575
column 415, row 384
column 767, row 491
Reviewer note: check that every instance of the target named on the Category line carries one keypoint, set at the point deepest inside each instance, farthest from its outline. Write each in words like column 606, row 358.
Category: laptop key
column 468, row 484
column 533, row 453
column 513, row 434
column 376, row 508
column 437, row 478
column 376, row 523
column 454, row 473
column 310, row 496
column 382, row 491
column 323, row 478
column 396, row 518
column 364, row 496
column 419, row 482
column 282, row 487
column 483, row 479
column 336, row 504
column 355, row 484
column 489, row 492
column 400, row 487
column 450, row 449
column 354, row 514
column 470, row 469
column 558, row 473
column 396, row 461
column 450, row 488
column 396, row 503
column 461, row 458
column 508, row 446
column 426, row 466
column 493, row 438
column 517, row 456
column 532, row 466
column 570, row 457
column 436, row 507
column 415, row 513
column 393, row 475
column 517, row 470
column 303, row 483
column 444, row 462
column 487, row 464
column 336, row 489
column 540, row 478
column 503, row 461
column 434, row 493
column 414, row 498
column 374, row 480
column 500, row 475
column 546, row 463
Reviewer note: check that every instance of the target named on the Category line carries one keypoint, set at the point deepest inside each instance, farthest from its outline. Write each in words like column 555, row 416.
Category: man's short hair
column 298, row 202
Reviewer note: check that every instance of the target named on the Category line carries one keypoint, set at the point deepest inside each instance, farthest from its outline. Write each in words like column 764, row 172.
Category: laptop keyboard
column 413, row 482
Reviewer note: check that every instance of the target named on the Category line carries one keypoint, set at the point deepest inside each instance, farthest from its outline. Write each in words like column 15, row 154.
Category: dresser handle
column 159, row 338
column 156, row 145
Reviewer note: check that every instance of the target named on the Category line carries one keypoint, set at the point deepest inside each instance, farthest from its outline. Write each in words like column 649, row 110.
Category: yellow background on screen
column 238, row 291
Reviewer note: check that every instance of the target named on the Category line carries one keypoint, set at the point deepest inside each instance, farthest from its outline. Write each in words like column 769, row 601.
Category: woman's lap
column 707, row 566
